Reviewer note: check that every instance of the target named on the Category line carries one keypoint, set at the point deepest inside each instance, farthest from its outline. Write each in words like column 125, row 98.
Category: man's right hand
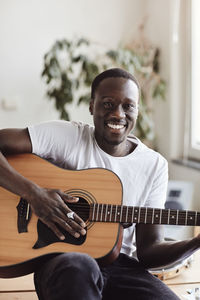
column 50, row 205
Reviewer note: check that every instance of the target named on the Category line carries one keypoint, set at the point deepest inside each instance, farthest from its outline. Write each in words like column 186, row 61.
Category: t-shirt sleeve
column 53, row 140
column 158, row 192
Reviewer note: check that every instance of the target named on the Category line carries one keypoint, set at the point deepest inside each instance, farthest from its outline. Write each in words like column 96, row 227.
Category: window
column 194, row 148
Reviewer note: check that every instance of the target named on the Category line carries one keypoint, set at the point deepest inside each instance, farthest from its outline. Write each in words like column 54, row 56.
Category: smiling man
column 114, row 106
column 143, row 173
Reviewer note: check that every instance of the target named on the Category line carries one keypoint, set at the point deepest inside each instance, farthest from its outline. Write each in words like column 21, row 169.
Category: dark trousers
column 76, row 276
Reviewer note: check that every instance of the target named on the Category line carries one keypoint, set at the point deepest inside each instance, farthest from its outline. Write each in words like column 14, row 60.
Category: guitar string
column 85, row 208
column 88, row 206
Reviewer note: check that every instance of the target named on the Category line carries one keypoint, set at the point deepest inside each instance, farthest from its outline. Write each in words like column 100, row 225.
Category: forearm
column 164, row 253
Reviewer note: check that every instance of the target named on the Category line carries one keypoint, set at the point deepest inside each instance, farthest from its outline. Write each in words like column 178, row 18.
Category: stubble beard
column 114, row 142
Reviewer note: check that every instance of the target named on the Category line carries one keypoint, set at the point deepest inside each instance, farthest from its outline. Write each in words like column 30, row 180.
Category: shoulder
column 60, row 126
column 148, row 155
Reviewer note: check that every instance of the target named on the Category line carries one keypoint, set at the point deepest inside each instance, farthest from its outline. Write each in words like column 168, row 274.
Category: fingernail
column 62, row 237
column 77, row 235
column 83, row 231
column 83, row 224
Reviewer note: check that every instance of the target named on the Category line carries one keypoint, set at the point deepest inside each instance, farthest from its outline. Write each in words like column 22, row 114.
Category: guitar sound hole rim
column 84, row 196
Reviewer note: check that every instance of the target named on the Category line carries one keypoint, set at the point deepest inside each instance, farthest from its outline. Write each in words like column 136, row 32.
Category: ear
column 91, row 107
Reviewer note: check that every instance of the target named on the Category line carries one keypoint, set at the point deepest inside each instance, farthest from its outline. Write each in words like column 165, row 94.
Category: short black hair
column 114, row 72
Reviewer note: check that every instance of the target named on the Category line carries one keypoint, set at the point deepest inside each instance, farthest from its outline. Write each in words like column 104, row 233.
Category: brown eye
column 107, row 105
column 129, row 106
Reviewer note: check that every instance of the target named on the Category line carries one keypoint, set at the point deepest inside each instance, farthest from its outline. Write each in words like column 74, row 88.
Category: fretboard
column 146, row 215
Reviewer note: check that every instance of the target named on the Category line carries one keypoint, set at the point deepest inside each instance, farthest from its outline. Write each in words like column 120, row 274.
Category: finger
column 76, row 226
column 55, row 229
column 76, row 222
column 67, row 197
column 67, row 227
column 71, row 199
column 65, row 209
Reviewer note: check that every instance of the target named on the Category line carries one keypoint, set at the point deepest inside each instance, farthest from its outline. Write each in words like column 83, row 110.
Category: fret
column 93, row 212
column 127, row 214
column 145, row 217
column 186, row 215
column 106, row 213
column 111, row 213
column 116, row 206
column 132, row 216
column 152, row 216
column 160, row 216
column 139, row 211
column 195, row 223
column 121, row 213
column 101, row 216
column 177, row 213
column 168, row 216
column 97, row 215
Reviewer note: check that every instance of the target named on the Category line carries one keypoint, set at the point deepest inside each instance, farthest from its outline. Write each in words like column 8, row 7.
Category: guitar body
column 103, row 239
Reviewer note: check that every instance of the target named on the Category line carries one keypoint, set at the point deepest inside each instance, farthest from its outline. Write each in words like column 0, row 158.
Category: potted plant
column 70, row 66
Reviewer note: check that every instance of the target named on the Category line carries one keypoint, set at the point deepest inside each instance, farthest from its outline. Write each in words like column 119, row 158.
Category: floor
column 186, row 282
column 21, row 288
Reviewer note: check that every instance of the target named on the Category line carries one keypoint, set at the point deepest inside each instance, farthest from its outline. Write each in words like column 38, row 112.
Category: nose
column 118, row 112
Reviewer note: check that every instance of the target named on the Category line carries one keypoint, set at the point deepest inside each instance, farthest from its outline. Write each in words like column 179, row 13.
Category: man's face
column 115, row 110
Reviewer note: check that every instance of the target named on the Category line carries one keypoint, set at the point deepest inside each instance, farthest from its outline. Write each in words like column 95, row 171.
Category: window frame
column 190, row 152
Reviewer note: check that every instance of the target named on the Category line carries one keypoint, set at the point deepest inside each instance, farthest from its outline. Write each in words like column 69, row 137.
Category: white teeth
column 115, row 126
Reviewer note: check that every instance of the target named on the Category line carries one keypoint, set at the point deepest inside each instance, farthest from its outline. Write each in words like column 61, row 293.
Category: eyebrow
column 129, row 99
column 106, row 97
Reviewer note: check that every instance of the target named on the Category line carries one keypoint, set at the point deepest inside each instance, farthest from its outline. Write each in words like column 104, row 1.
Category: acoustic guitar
column 26, row 242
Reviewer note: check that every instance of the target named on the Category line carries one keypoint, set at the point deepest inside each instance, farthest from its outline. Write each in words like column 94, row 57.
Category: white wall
column 28, row 28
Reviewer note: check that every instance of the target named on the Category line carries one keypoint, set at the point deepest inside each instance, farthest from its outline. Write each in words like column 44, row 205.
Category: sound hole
column 81, row 208
column 46, row 236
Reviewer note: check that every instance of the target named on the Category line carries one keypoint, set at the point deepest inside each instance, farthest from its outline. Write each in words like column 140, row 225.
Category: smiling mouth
column 115, row 126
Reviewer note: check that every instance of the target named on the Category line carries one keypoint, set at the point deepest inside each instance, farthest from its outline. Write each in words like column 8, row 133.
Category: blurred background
column 168, row 29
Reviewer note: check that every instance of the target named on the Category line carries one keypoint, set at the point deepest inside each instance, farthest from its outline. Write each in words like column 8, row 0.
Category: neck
column 118, row 150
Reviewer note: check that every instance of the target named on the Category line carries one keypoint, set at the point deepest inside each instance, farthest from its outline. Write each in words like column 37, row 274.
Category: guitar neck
column 145, row 215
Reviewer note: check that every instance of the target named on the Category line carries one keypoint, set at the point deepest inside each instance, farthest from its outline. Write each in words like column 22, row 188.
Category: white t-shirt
column 72, row 145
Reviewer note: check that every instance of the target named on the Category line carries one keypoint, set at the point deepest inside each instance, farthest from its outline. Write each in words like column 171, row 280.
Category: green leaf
column 76, row 59
column 64, row 115
column 159, row 90
column 112, row 54
column 84, row 99
column 82, row 41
